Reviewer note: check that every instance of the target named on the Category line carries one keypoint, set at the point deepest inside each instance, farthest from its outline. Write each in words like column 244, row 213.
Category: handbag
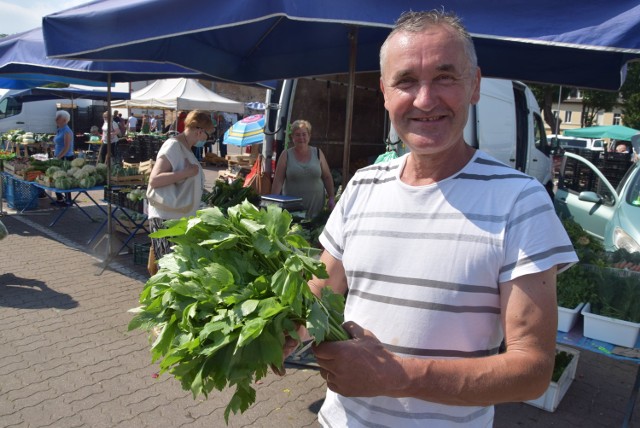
column 178, row 197
column 257, row 178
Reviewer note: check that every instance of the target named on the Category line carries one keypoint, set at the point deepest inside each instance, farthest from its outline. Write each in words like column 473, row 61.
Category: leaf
column 176, row 230
column 212, row 217
column 248, row 307
column 317, row 322
column 163, row 342
column 242, row 398
column 252, row 329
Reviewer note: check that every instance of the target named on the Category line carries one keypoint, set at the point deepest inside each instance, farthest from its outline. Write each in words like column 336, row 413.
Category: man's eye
column 445, row 79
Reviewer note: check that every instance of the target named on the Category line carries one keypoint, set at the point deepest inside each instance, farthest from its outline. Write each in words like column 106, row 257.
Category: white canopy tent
column 180, row 94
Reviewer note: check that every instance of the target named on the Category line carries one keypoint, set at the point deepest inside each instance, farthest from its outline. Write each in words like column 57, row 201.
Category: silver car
column 603, row 196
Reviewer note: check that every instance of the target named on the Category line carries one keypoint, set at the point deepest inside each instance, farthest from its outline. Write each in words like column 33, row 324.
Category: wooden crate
column 31, row 175
column 129, row 226
column 128, row 179
column 241, row 160
column 214, row 159
column 146, row 166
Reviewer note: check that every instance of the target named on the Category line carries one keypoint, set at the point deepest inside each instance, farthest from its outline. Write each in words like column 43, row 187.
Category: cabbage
column 101, row 167
column 51, row 170
column 77, row 162
column 71, row 171
column 87, row 182
column 58, row 174
column 91, row 168
column 62, row 183
column 80, row 174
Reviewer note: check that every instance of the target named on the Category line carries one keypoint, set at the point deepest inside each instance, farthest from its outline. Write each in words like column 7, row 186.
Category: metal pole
column 558, row 117
column 353, row 38
column 108, row 160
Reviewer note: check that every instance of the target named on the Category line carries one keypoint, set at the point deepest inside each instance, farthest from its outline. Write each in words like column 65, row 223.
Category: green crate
column 141, row 253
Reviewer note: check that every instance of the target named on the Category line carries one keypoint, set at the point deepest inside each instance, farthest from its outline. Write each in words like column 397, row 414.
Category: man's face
column 428, row 85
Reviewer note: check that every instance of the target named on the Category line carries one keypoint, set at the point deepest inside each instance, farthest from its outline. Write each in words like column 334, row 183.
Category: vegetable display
column 223, row 302
column 224, row 195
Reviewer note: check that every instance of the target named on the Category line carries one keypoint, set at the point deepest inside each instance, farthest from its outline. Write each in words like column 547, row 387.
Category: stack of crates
column 20, row 195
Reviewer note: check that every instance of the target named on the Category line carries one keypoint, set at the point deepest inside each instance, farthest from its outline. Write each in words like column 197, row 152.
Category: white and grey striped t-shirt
column 423, row 265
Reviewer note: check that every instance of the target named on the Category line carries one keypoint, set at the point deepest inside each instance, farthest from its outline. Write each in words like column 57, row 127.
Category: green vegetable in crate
column 225, row 195
column 225, row 299
column 136, row 195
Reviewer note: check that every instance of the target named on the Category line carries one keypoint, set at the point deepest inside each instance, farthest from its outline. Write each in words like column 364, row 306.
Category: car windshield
column 633, row 195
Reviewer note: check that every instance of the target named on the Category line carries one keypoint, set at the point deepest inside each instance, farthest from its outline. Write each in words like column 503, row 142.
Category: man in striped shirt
column 444, row 252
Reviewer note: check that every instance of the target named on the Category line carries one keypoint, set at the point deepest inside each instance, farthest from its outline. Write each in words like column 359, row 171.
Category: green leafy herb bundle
column 223, row 302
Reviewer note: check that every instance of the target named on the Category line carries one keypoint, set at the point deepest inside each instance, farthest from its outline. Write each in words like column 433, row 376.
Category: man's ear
column 475, row 96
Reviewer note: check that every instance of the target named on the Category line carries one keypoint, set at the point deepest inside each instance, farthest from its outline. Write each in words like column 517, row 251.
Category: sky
column 17, row 16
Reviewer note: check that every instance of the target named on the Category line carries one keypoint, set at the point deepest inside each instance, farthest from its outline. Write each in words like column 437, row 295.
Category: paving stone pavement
column 67, row 359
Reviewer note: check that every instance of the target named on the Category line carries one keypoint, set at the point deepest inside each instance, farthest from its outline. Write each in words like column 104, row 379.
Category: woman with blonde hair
column 176, row 163
column 303, row 171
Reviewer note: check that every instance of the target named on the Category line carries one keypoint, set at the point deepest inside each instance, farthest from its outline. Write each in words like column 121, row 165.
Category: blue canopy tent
column 22, row 82
column 575, row 42
column 23, row 58
column 39, row 94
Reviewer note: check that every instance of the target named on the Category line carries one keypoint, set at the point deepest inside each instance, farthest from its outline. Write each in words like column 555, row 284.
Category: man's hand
column 360, row 367
column 290, row 345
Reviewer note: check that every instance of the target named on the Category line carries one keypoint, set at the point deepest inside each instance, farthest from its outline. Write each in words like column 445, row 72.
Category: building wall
column 574, row 105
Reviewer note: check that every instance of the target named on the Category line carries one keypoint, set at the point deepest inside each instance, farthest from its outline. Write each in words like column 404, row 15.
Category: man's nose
column 425, row 95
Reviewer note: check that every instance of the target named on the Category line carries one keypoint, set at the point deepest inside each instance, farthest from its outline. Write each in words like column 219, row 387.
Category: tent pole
column 108, row 161
column 353, row 39
column 558, row 117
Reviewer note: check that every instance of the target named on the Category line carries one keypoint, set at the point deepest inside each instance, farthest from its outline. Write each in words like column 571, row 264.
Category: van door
column 494, row 118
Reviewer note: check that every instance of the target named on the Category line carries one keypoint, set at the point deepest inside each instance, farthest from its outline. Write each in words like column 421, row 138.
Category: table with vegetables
column 60, row 176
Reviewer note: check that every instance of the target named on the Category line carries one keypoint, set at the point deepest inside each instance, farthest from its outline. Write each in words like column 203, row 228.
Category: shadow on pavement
column 25, row 293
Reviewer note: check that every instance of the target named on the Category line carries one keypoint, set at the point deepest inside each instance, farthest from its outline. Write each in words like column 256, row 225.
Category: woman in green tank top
column 302, row 171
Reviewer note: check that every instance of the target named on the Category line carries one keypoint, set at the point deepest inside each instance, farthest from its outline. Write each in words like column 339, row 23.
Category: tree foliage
column 546, row 95
column 630, row 93
column 595, row 101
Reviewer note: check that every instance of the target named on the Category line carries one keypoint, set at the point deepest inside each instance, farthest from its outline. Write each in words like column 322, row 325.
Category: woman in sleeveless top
column 302, row 171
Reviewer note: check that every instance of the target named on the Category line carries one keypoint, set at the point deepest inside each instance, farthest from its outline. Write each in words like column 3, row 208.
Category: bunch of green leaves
column 575, row 285
column 589, row 249
column 617, row 294
column 561, row 362
column 224, row 300
column 224, row 195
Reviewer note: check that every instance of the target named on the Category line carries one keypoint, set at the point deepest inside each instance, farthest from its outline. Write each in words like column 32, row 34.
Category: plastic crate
column 20, row 195
column 141, row 253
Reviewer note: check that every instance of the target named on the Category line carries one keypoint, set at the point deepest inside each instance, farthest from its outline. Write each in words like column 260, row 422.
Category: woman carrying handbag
column 176, row 181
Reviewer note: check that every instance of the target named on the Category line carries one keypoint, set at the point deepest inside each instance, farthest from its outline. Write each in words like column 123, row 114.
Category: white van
column 507, row 124
column 567, row 142
column 32, row 116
